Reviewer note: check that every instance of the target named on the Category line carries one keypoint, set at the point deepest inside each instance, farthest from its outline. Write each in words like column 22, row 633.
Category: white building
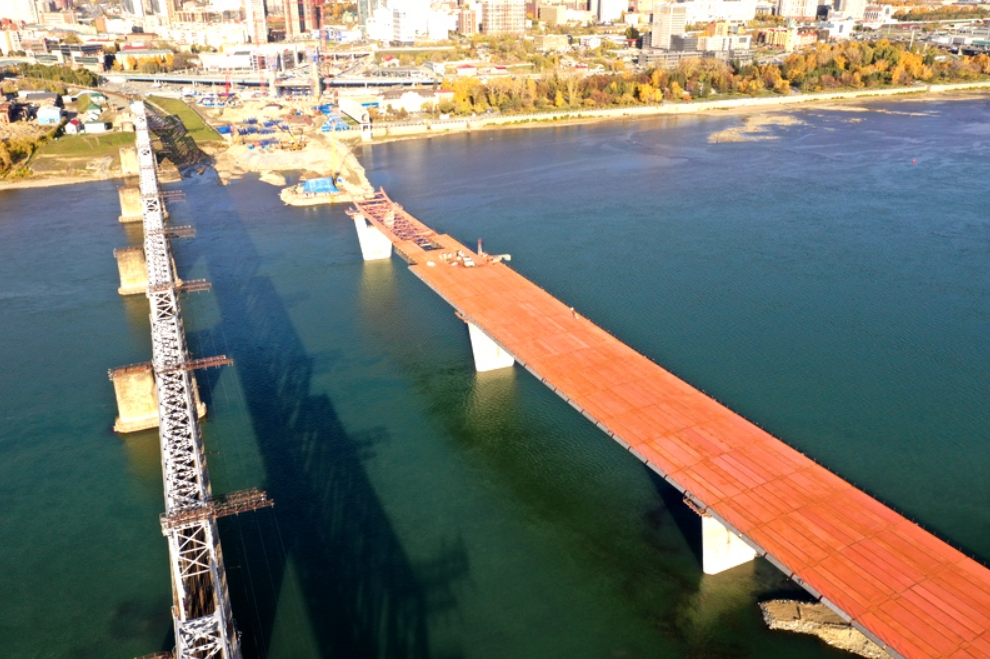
column 725, row 43
column 213, row 35
column 733, row 11
column 503, row 16
column 854, row 9
column 379, row 25
column 610, row 11
column 254, row 15
column 797, row 8
column 24, row 11
column 842, row 29
column 875, row 16
column 410, row 19
column 669, row 19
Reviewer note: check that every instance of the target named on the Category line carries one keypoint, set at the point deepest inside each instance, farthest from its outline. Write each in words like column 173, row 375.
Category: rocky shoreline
column 819, row 620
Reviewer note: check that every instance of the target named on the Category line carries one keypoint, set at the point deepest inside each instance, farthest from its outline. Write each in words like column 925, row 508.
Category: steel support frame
column 202, row 617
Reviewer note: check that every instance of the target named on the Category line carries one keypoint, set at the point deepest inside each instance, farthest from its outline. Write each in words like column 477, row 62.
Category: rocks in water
column 273, row 178
column 819, row 620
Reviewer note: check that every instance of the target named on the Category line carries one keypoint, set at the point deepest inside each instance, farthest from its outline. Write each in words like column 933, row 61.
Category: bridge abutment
column 488, row 355
column 374, row 244
column 721, row 548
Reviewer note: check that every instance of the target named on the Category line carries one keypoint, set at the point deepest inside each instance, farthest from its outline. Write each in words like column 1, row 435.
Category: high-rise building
column 293, row 19
column 467, row 22
column 669, row 20
column 22, row 11
column 163, row 9
column 254, row 16
column 133, row 8
column 797, row 8
column 610, row 11
column 503, row 16
column 366, row 11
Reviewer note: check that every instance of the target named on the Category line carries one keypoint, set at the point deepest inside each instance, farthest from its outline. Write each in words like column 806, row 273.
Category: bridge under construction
column 910, row 592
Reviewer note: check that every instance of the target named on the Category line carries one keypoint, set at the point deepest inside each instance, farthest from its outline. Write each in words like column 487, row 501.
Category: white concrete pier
column 488, row 355
column 721, row 548
column 374, row 244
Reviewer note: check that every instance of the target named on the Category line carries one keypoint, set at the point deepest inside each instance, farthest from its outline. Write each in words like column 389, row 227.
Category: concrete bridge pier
column 721, row 548
column 488, row 355
column 132, row 265
column 137, row 398
column 129, row 162
column 375, row 245
column 131, row 207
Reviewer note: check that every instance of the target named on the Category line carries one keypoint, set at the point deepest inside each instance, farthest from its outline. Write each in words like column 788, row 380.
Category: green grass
column 91, row 146
column 198, row 129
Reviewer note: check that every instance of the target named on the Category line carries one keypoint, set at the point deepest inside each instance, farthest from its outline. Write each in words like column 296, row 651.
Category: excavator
column 295, row 144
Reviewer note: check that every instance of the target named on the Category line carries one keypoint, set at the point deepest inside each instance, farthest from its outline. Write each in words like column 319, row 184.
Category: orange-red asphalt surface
column 910, row 590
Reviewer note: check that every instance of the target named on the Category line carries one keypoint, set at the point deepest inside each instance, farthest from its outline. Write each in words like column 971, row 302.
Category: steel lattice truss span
column 204, row 625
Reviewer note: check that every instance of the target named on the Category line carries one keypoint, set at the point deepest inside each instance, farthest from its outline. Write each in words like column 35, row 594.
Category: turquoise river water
column 833, row 285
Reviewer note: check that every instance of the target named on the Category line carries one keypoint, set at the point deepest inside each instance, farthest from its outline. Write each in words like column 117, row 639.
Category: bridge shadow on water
column 363, row 596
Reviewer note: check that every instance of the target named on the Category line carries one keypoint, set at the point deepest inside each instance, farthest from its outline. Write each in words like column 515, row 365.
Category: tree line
column 843, row 65
column 63, row 74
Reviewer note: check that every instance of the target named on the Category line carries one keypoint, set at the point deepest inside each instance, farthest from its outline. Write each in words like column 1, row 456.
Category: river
column 832, row 285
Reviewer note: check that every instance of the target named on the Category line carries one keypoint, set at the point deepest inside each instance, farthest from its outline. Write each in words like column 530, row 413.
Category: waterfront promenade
column 912, row 593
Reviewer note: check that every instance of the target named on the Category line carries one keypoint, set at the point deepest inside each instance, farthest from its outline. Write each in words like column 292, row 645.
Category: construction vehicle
column 295, row 144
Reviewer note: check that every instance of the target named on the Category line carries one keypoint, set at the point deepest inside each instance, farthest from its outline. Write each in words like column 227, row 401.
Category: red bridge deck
column 898, row 583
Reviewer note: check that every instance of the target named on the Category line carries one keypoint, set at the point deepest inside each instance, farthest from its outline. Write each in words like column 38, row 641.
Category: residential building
column 788, row 38
column 552, row 15
column 134, row 8
column 854, row 9
column 551, row 43
column 379, row 26
column 50, row 115
column 254, row 15
column 58, row 18
column 704, row 11
column 41, row 99
column 10, row 42
column 804, row 9
column 467, row 22
column 503, row 16
column 878, row 15
column 669, row 19
column 610, row 11
column 410, row 19
column 21, row 11
column 366, row 10
column 722, row 43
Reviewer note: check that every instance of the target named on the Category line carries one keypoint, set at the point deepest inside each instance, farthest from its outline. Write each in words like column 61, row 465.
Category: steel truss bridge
column 201, row 612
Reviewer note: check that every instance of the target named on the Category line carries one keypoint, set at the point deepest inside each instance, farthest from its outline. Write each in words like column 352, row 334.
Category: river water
column 833, row 285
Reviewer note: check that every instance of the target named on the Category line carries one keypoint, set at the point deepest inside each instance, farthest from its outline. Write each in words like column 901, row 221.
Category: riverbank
column 824, row 100
column 328, row 155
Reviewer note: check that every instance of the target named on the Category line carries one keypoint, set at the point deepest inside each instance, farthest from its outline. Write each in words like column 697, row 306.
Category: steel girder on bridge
column 202, row 617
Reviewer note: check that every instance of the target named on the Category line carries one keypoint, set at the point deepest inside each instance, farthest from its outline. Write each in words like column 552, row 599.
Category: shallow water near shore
column 831, row 285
